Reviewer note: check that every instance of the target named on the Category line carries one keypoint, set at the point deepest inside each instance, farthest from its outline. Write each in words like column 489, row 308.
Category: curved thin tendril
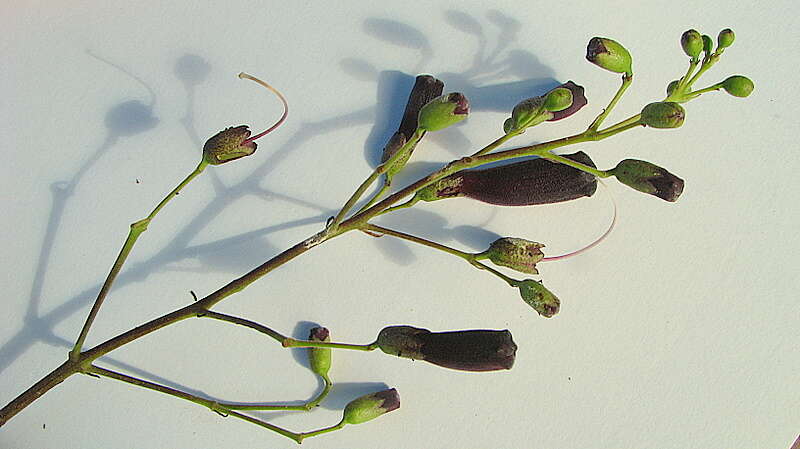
column 243, row 75
column 599, row 239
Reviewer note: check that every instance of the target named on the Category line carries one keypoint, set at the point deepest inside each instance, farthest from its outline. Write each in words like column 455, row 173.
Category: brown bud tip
column 228, row 145
column 319, row 334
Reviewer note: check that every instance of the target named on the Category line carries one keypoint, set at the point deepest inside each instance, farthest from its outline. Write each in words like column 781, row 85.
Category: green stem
column 685, row 80
column 629, row 123
column 707, row 64
column 627, row 79
column 243, row 322
column 137, row 229
column 470, row 258
column 322, row 431
column 381, row 169
column 578, row 165
column 713, row 87
column 377, row 196
column 212, row 405
column 499, row 141
column 293, row 343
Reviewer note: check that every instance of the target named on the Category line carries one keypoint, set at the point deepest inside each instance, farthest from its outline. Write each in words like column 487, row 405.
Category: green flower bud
column 649, row 178
column 558, row 99
column 708, row 44
column 725, row 38
column 671, row 87
column 692, row 43
column 371, row 406
column 608, row 54
column 663, row 114
column 578, row 101
column 537, row 296
column 319, row 358
column 738, row 86
column 527, row 113
column 229, row 145
column 515, row 253
column 443, row 111
column 508, row 125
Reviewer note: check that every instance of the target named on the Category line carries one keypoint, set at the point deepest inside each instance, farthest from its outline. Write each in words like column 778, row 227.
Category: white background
column 679, row 331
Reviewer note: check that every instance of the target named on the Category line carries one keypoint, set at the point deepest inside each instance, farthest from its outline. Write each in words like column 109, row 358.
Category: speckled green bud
column 319, row 358
column 671, row 87
column 692, row 43
column 663, row 114
column 371, row 406
column 609, row 54
column 649, row 178
column 725, row 38
column 738, row 86
column 443, row 111
column 228, row 145
column 537, row 296
column 515, row 253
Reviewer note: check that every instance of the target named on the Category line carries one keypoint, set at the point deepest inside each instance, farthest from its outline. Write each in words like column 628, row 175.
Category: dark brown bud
column 526, row 183
column 469, row 350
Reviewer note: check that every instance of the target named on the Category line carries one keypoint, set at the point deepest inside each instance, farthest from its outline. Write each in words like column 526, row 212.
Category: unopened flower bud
column 526, row 112
column 228, row 145
column 515, row 253
column 443, row 111
column 540, row 298
column 525, row 183
column 671, row 87
column 725, row 38
column 608, row 54
column 508, row 125
column 319, row 358
column 663, row 114
column 371, row 406
column 578, row 101
column 469, row 350
column 649, row 178
column 692, row 43
column 558, row 99
column 738, row 86
column 708, row 44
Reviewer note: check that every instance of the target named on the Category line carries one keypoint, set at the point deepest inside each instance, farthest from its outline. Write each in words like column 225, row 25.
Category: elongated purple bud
column 526, row 183
column 467, row 350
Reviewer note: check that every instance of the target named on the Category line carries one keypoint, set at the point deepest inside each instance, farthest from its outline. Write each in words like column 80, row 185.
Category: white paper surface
column 678, row 331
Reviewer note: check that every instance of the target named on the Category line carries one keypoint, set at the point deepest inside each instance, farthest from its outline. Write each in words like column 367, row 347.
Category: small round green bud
column 725, row 38
column 537, row 296
column 526, row 112
column 371, row 406
column 319, row 358
column 610, row 55
column 515, row 253
column 708, row 44
column 738, row 86
column 507, row 125
column 649, row 178
column 692, row 43
column 443, row 111
column 228, row 145
column 558, row 99
column 663, row 114
column 671, row 87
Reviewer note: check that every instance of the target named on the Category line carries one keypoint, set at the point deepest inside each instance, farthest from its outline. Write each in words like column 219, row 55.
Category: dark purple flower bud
column 229, row 145
column 319, row 358
column 578, row 101
column 470, row 350
column 371, row 406
column 649, row 178
column 526, row 183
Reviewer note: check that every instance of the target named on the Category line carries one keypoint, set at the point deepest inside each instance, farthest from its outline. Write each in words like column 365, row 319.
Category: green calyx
column 558, row 99
column 540, row 298
column 610, row 55
column 228, row 145
column 443, row 111
column 515, row 253
column 370, row 406
column 663, row 114
column 738, row 86
column 725, row 38
column 319, row 359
